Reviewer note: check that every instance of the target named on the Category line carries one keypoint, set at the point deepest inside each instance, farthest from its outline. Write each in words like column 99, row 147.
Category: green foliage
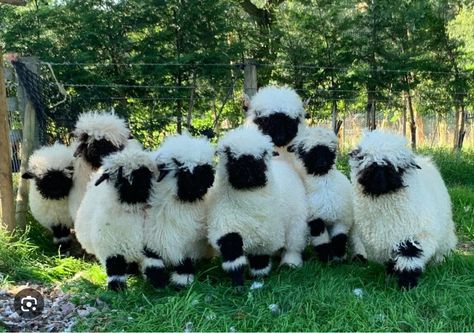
column 341, row 54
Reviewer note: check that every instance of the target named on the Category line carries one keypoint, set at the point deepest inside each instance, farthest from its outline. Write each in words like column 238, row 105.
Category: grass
column 314, row 298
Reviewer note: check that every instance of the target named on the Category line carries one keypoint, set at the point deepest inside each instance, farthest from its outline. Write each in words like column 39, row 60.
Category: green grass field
column 346, row 297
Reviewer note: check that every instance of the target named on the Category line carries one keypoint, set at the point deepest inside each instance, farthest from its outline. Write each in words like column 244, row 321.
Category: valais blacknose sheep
column 278, row 112
column 51, row 171
column 257, row 206
column 111, row 218
column 328, row 191
column 402, row 208
column 98, row 135
column 175, row 234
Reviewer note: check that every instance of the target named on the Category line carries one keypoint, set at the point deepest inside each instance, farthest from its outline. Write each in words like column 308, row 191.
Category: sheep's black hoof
column 117, row 286
column 157, row 277
column 323, row 252
column 133, row 268
column 390, row 267
column 359, row 258
column 239, row 290
column 237, row 277
column 408, row 279
column 339, row 245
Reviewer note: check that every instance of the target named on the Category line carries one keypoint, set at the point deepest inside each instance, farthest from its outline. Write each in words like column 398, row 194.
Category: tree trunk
column 7, row 217
column 189, row 116
column 459, row 131
column 370, row 108
column 411, row 112
column 404, row 115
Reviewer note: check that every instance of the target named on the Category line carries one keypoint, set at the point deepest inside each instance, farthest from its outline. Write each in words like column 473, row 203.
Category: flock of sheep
column 275, row 189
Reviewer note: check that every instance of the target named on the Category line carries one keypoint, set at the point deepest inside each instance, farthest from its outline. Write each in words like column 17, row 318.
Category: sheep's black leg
column 260, row 265
column 233, row 259
column 116, row 268
column 154, row 269
column 408, row 263
column 133, row 268
column 339, row 241
column 339, row 245
column 61, row 236
column 390, row 267
column 320, row 239
column 183, row 274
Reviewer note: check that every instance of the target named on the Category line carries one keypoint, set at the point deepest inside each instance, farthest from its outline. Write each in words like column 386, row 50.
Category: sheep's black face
column 379, row 179
column 193, row 185
column 318, row 160
column 138, row 191
column 280, row 127
column 54, row 185
column 246, row 172
column 96, row 150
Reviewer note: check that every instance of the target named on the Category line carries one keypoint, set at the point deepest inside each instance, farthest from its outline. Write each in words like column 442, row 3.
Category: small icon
column 29, row 303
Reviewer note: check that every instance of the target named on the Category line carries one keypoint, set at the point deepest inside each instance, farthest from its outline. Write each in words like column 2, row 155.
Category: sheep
column 402, row 208
column 113, row 213
column 176, row 231
column 257, row 206
column 50, row 168
column 279, row 113
column 98, row 135
column 329, row 192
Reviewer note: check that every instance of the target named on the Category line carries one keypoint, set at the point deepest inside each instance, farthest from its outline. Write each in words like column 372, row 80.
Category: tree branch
column 14, row 2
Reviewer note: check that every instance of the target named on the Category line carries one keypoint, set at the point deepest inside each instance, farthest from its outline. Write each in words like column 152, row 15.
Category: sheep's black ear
column 104, row 176
column 163, row 172
column 28, row 175
column 178, row 163
column 291, row 148
column 79, row 149
column 415, row 165
column 120, row 173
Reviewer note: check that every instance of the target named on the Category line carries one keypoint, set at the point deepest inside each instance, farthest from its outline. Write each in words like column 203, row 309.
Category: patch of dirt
column 59, row 313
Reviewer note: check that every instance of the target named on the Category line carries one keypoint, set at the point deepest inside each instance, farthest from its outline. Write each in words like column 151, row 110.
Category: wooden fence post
column 250, row 77
column 29, row 143
column 6, row 183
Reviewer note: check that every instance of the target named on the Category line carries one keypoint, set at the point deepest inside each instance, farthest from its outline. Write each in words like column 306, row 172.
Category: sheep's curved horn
column 104, row 176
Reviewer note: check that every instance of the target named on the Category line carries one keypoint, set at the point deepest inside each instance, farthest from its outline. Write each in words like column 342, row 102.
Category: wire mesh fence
column 208, row 98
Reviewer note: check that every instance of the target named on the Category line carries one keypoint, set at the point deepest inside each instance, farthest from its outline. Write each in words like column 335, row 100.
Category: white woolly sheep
column 278, row 112
column 175, row 234
column 328, row 191
column 257, row 206
column 112, row 215
column 51, row 171
column 98, row 135
column 402, row 208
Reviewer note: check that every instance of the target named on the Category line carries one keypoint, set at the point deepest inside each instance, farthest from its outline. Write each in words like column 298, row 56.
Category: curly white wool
column 421, row 211
column 46, row 211
column 267, row 218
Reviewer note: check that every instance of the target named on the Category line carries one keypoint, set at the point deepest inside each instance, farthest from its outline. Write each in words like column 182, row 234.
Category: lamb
column 329, row 192
column 257, row 206
column 98, row 135
column 112, row 216
column 402, row 208
column 50, row 169
column 279, row 113
column 175, row 235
